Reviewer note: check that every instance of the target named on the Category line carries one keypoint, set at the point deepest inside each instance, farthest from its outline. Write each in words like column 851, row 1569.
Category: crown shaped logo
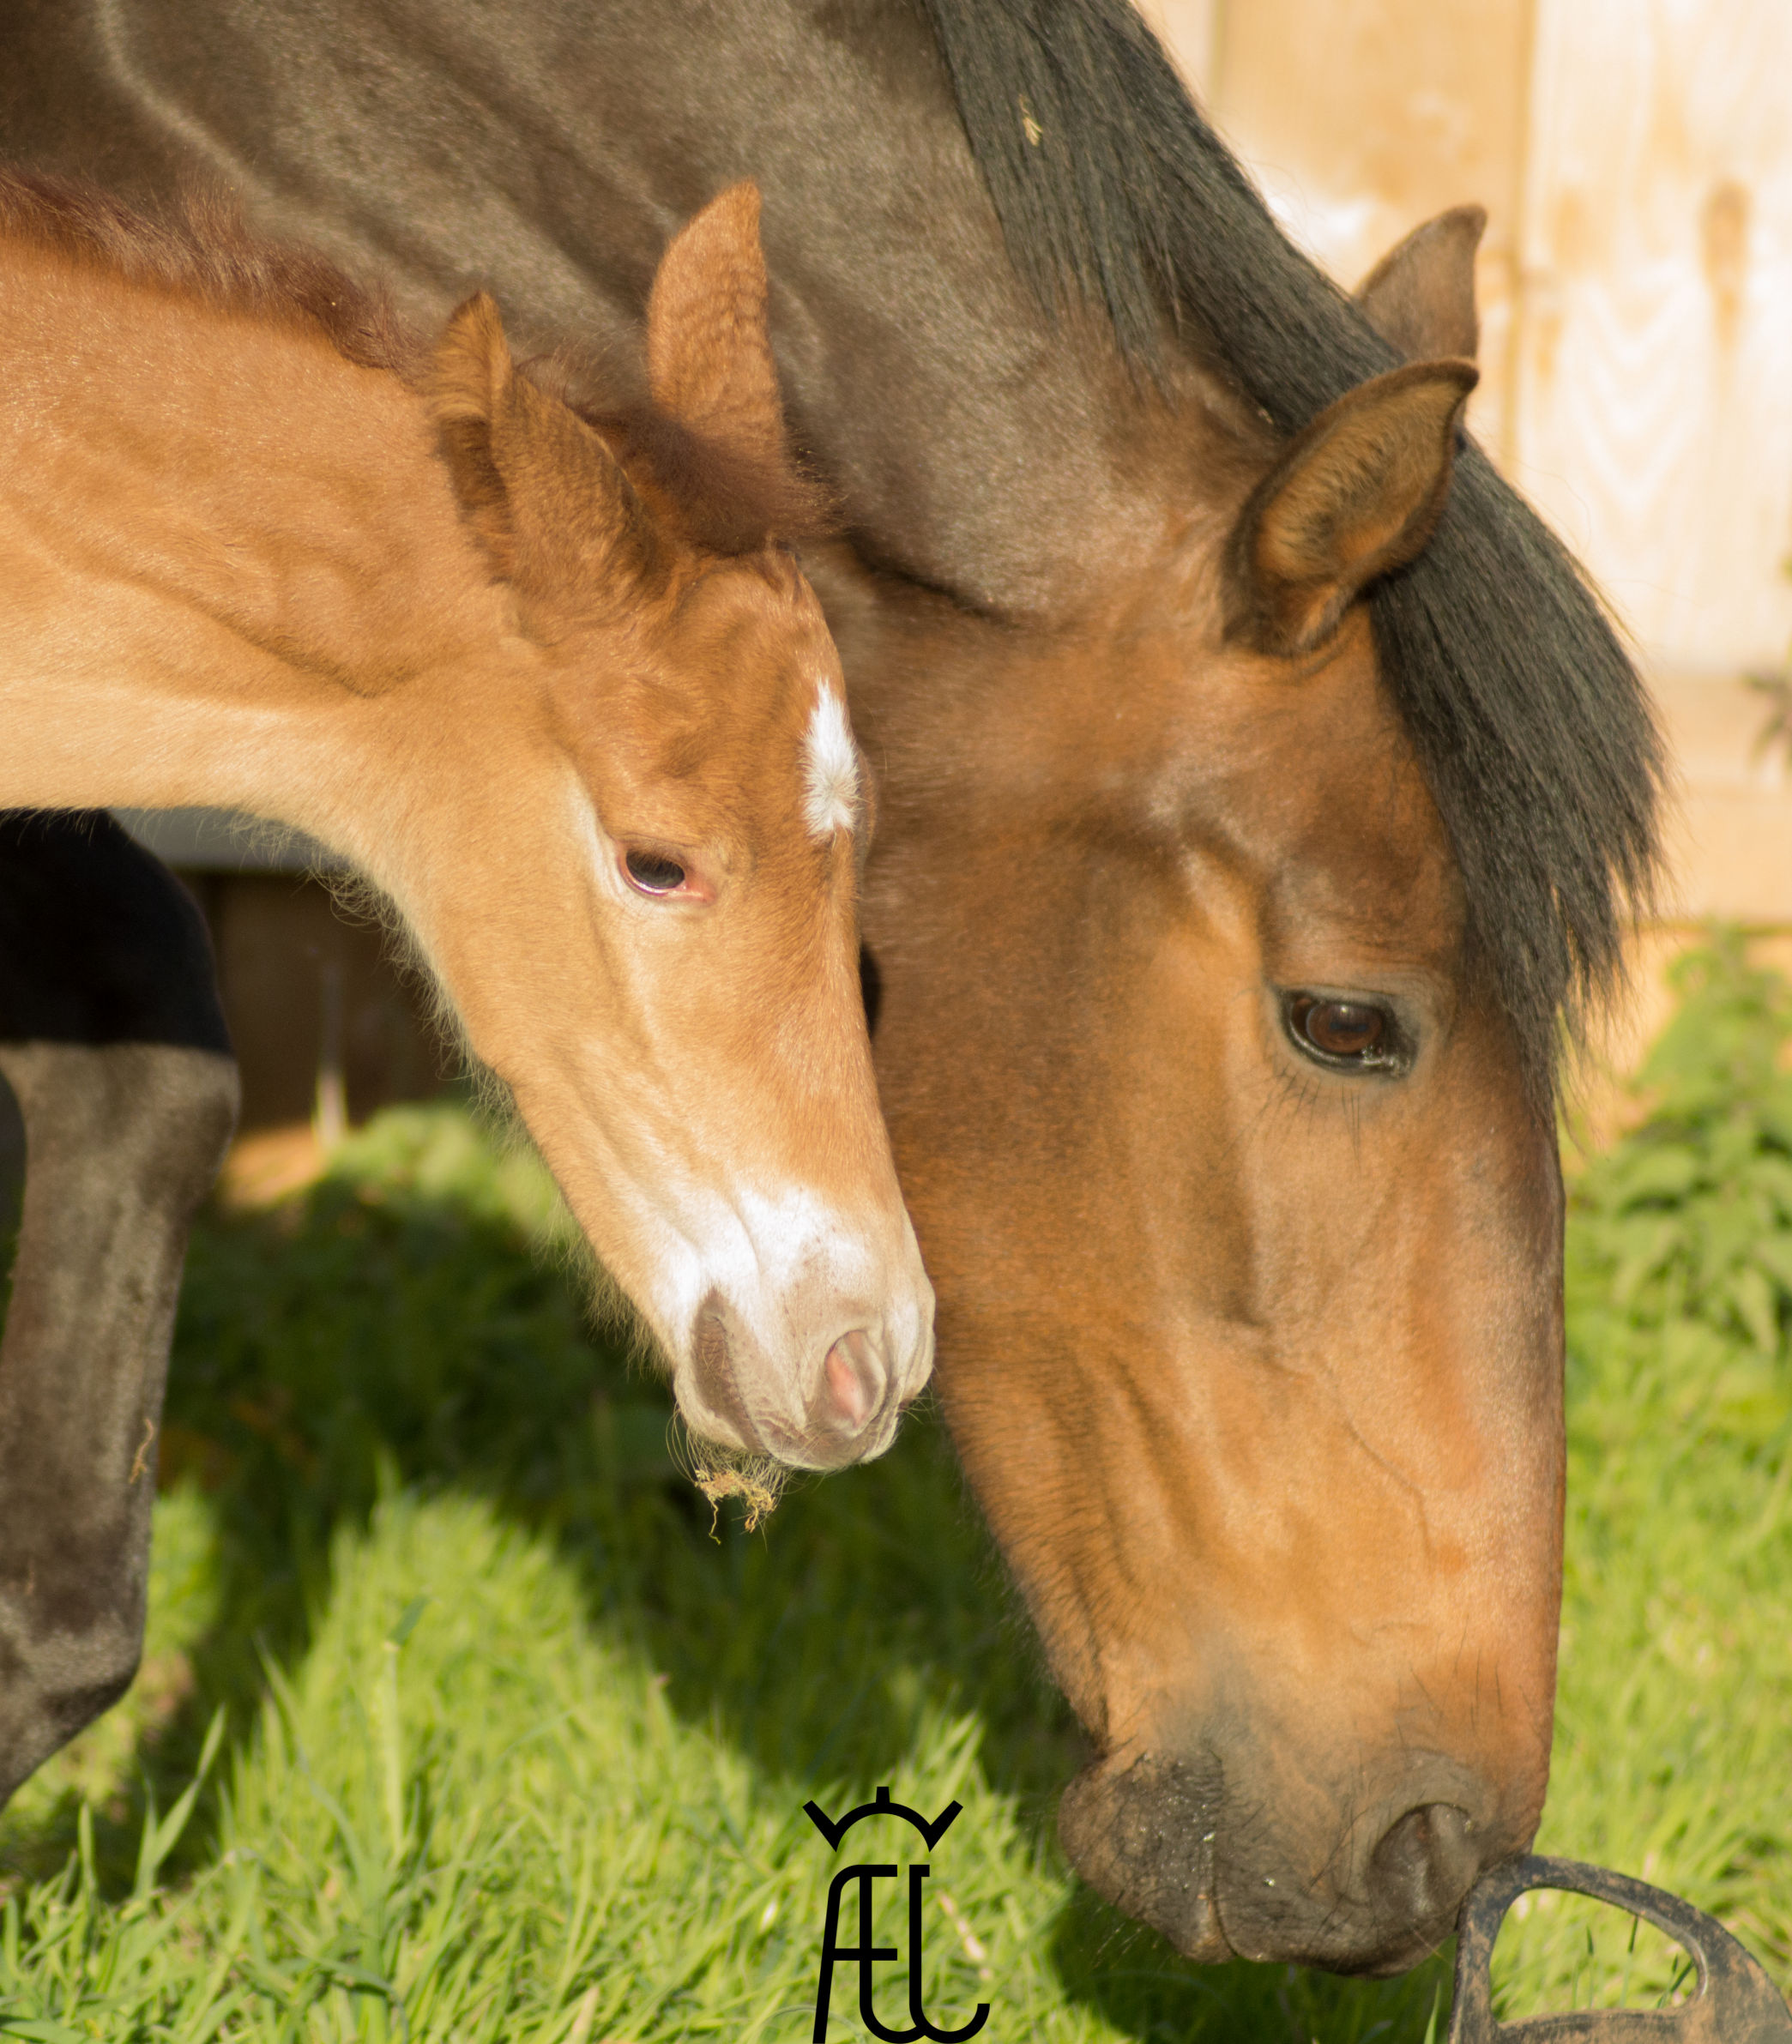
column 835, row 1829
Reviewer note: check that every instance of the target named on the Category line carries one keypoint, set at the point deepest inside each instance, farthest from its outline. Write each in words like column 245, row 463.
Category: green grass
column 506, row 1744
column 1674, row 1726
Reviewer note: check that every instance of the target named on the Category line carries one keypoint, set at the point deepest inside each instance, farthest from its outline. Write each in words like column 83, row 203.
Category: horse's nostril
column 854, row 1385
column 1425, row 1864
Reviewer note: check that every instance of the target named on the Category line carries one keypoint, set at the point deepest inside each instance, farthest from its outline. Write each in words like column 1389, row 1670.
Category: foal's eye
column 653, row 872
column 1348, row 1035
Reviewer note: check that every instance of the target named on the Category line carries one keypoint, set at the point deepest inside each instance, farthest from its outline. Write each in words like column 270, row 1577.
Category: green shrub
column 1689, row 1217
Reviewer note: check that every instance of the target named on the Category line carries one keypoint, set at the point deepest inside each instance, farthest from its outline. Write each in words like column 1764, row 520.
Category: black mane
column 1531, row 724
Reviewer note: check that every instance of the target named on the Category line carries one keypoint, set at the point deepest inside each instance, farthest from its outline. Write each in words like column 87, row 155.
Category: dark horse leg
column 111, row 1040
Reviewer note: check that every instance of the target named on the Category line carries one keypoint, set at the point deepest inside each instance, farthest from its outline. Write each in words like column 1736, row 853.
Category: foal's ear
column 1420, row 295
column 548, row 501
column 709, row 354
column 1354, row 495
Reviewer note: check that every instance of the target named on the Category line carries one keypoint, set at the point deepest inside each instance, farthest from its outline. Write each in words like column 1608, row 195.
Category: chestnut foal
column 551, row 684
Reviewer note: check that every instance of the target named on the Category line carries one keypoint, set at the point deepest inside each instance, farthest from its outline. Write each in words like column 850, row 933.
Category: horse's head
column 1251, row 1342
column 651, row 933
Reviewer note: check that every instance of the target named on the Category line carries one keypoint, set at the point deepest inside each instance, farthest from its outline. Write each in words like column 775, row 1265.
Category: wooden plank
column 1187, row 29
column 311, row 996
column 1359, row 119
column 1654, row 381
column 1730, row 829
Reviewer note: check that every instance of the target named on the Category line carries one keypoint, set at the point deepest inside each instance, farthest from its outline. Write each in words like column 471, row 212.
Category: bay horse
column 1264, row 796
column 553, row 688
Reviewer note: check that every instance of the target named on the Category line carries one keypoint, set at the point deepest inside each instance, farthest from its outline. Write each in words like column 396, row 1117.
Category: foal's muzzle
column 818, row 1412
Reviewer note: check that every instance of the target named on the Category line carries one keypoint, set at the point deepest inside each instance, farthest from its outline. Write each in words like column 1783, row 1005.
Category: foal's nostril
column 1425, row 1864
column 854, row 1382
column 713, row 1371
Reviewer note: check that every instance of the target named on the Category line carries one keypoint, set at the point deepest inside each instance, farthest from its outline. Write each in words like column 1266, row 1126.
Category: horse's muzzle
column 1161, row 1837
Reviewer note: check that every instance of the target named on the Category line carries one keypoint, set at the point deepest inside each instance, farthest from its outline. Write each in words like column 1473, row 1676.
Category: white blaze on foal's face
column 830, row 766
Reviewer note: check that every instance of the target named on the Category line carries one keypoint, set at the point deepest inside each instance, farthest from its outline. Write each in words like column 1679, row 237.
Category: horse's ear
column 549, row 502
column 1354, row 495
column 1420, row 296
column 709, row 352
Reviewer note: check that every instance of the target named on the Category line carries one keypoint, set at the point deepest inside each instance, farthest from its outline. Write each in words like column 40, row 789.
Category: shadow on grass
column 393, row 1326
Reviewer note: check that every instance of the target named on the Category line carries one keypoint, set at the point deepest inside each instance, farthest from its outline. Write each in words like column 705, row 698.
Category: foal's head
column 670, row 800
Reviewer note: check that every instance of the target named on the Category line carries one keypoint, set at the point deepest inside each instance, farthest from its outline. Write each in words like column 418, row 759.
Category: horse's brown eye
column 654, row 873
column 1342, row 1032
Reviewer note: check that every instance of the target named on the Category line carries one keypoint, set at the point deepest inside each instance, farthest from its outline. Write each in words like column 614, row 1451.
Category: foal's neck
column 223, row 540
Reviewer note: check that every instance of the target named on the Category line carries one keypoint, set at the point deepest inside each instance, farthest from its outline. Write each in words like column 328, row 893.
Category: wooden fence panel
column 1359, row 119
column 1653, row 398
column 1635, row 156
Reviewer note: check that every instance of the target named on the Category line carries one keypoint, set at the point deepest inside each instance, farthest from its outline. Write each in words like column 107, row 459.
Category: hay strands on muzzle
column 1736, row 2004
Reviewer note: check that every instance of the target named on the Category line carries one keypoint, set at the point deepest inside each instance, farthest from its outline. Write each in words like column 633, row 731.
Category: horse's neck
column 221, row 539
column 972, row 446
